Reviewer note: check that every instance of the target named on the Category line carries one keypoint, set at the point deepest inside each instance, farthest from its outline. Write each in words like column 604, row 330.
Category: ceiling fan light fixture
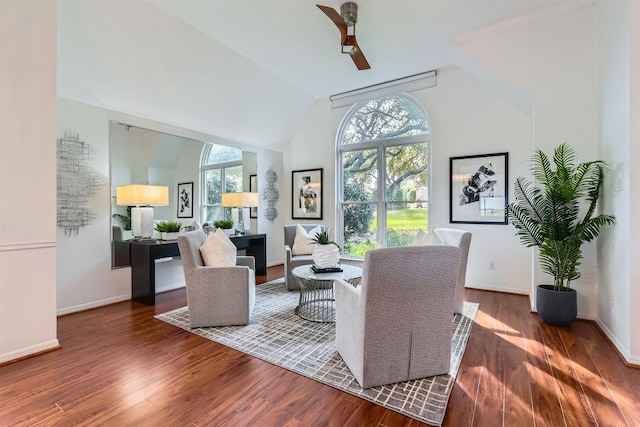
column 349, row 45
column 349, row 12
column 349, row 50
column 346, row 23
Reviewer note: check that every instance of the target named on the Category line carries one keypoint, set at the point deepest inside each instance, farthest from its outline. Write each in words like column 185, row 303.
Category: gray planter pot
column 555, row 307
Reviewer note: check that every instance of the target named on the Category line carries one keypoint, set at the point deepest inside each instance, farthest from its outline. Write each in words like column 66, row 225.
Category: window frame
column 204, row 167
column 380, row 145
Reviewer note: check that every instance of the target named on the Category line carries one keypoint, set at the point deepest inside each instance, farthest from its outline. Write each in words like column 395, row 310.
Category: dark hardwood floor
column 118, row 366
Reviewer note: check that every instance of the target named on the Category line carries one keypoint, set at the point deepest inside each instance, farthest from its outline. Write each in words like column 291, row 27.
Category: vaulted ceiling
column 251, row 71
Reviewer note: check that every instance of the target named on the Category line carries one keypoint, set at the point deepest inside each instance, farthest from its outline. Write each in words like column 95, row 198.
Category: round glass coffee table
column 317, row 297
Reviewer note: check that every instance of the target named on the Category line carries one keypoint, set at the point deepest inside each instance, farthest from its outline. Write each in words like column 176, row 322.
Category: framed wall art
column 253, row 188
column 478, row 189
column 185, row 200
column 306, row 194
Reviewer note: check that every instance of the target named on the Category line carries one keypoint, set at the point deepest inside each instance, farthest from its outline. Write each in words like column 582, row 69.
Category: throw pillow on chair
column 218, row 250
column 303, row 243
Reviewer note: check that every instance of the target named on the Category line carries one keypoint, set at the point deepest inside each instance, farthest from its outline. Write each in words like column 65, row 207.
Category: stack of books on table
column 334, row 269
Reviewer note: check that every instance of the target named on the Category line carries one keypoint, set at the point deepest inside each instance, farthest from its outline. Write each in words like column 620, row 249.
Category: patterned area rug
column 278, row 336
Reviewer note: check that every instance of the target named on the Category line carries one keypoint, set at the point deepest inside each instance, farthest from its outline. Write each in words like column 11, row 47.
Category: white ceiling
column 251, row 70
column 296, row 41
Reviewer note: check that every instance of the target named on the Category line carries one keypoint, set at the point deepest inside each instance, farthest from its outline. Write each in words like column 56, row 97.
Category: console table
column 143, row 254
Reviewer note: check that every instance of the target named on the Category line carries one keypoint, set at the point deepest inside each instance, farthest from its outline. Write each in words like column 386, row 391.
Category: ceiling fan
column 346, row 23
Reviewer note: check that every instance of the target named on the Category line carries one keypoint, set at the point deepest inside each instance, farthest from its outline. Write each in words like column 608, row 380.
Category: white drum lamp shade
column 249, row 200
column 240, row 200
column 142, row 197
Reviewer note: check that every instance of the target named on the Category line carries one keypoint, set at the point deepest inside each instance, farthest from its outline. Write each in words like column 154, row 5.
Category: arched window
column 383, row 163
column 220, row 172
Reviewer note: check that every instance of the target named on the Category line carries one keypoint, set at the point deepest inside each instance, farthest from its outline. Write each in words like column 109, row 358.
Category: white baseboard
column 504, row 289
column 624, row 352
column 583, row 316
column 23, row 352
column 93, row 304
column 170, row 287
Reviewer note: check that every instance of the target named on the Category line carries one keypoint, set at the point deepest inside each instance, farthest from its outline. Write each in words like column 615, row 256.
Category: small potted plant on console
column 226, row 225
column 168, row 230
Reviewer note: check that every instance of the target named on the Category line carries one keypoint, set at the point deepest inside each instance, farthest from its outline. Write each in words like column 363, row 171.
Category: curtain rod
column 384, row 85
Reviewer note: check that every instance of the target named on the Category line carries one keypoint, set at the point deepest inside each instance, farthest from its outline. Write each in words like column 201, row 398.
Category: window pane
column 359, row 227
column 406, row 174
column 233, row 179
column 212, row 213
column 384, row 118
column 360, row 176
column 222, row 154
column 213, row 190
column 403, row 222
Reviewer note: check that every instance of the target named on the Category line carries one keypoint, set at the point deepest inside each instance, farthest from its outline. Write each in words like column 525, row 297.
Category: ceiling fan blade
column 337, row 19
column 346, row 40
column 359, row 59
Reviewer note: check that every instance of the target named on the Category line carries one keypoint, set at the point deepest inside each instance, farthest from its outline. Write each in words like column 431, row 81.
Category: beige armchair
column 397, row 324
column 216, row 296
column 117, row 234
column 292, row 261
column 461, row 239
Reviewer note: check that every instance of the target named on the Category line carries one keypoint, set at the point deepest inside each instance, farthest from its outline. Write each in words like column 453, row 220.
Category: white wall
column 312, row 147
column 466, row 119
column 552, row 60
column 618, row 298
column 84, row 275
column 275, row 229
column 27, row 188
column 634, row 252
column 185, row 172
column 578, row 74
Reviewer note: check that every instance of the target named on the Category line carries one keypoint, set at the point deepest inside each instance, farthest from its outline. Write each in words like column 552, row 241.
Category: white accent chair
column 216, row 296
column 292, row 261
column 461, row 239
column 397, row 324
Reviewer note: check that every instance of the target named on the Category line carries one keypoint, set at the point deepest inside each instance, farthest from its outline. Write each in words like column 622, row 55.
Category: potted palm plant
column 557, row 215
column 124, row 221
